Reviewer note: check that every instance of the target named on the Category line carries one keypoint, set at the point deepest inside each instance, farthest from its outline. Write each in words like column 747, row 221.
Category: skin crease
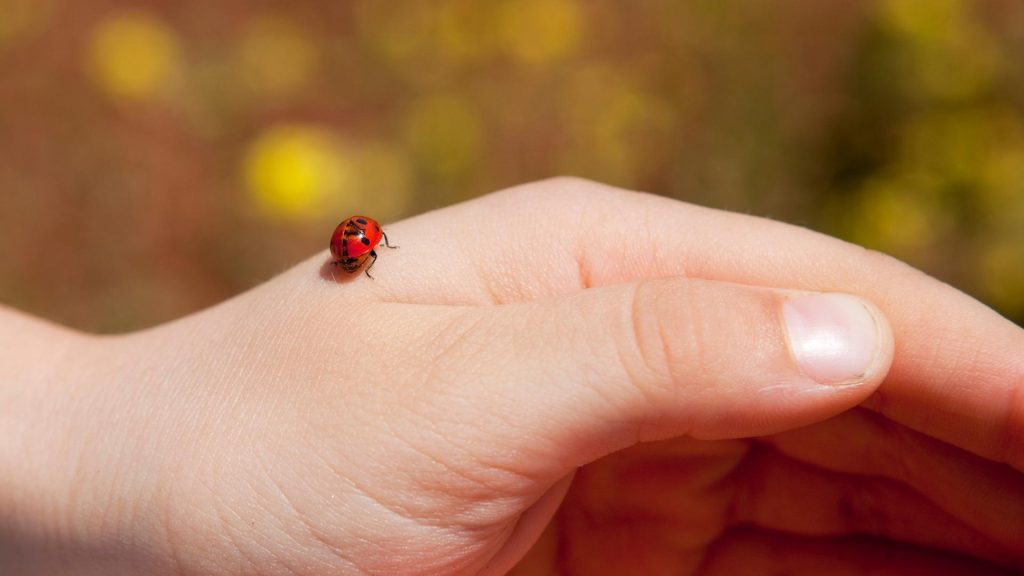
column 619, row 400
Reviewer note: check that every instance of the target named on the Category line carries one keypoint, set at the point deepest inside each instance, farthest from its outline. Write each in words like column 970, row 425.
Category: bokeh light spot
column 930, row 21
column 397, row 31
column 617, row 125
column 298, row 172
column 385, row 177
column 444, row 133
column 133, row 55
column 1002, row 274
column 541, row 31
column 951, row 56
column 1002, row 180
column 21, row 18
column 466, row 29
column 276, row 58
column 894, row 216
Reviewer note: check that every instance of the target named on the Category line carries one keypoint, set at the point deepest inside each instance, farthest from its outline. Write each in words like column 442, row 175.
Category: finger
column 987, row 496
column 780, row 553
column 785, row 495
column 531, row 531
column 573, row 378
column 651, row 509
column 959, row 370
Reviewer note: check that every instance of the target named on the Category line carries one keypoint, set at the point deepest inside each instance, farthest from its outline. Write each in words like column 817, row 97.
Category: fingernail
column 833, row 337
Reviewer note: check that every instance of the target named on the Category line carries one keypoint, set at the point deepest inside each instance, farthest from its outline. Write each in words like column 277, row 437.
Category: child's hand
column 430, row 421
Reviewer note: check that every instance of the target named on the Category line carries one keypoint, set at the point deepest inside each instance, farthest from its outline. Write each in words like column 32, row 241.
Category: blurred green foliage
column 157, row 157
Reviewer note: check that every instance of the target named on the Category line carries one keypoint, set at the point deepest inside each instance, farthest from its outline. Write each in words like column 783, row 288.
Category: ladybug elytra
column 354, row 241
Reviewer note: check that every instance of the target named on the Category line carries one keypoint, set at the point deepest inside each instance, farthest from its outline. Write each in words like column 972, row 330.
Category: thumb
column 583, row 375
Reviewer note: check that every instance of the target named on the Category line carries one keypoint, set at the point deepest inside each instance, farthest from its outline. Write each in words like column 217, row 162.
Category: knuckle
column 562, row 191
column 668, row 337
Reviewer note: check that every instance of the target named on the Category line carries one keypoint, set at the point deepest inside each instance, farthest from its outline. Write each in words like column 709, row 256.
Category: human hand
column 431, row 421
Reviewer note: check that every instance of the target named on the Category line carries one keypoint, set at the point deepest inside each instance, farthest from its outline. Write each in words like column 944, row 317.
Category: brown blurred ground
column 156, row 157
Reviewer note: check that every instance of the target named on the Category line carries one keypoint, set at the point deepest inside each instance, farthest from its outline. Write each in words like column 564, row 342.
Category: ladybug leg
column 373, row 254
column 347, row 264
column 386, row 240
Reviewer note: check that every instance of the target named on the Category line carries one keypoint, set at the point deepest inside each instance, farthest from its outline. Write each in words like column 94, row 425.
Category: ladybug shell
column 354, row 240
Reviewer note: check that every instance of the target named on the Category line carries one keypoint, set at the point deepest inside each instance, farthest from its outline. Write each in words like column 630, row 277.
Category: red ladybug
column 353, row 242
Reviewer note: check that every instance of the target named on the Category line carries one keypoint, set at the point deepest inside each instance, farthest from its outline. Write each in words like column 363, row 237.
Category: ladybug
column 353, row 242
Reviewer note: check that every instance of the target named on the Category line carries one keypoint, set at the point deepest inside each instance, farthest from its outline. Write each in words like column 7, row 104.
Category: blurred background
column 157, row 157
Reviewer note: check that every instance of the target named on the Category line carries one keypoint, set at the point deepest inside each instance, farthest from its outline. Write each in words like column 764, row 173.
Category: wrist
column 58, row 510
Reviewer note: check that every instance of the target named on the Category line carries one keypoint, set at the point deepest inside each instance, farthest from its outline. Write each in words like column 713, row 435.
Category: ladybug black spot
column 361, row 220
column 365, row 240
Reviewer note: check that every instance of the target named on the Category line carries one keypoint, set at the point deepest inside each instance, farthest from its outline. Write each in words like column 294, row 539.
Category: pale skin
column 562, row 378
